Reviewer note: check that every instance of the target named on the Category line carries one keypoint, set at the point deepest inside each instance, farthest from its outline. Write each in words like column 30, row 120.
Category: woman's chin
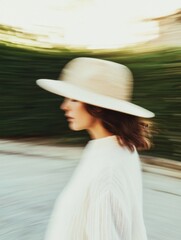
column 74, row 128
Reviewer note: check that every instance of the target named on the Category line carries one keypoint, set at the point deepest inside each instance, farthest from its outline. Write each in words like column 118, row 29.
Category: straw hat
column 97, row 82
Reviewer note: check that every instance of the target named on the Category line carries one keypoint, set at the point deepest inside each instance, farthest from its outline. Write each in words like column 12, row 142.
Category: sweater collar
column 103, row 140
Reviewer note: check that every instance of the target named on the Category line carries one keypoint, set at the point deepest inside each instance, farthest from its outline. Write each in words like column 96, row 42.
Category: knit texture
column 103, row 199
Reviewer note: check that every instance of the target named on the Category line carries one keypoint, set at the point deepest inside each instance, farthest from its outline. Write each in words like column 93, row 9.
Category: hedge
column 28, row 111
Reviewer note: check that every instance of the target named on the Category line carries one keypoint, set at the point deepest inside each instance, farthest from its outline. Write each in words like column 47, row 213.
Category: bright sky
column 94, row 23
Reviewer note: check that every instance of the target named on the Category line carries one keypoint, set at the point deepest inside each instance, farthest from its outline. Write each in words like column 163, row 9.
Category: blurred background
column 38, row 37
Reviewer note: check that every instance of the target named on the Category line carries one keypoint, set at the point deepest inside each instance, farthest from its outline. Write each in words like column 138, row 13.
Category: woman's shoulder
column 108, row 153
column 108, row 146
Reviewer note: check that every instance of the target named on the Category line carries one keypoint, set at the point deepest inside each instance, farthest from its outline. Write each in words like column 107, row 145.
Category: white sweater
column 103, row 199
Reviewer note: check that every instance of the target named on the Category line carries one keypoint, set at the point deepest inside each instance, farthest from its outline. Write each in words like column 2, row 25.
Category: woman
column 103, row 199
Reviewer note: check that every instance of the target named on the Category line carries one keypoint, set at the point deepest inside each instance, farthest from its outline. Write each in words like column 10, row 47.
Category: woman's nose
column 64, row 105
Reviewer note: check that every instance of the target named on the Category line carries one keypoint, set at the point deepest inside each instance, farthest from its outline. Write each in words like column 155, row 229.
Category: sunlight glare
column 91, row 23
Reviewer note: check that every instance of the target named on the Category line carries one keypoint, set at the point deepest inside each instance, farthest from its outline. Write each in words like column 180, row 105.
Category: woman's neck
column 98, row 131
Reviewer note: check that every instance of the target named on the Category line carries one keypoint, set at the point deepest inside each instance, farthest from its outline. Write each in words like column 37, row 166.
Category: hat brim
column 71, row 91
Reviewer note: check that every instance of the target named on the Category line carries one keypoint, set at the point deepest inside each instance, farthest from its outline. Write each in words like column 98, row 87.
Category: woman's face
column 77, row 116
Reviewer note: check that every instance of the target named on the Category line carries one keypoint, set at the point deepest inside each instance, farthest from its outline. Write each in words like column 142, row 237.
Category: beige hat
column 97, row 82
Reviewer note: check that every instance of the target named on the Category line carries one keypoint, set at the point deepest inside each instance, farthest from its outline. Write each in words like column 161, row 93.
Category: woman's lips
column 69, row 118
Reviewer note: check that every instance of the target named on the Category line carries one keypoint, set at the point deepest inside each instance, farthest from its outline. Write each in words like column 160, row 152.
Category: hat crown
column 99, row 76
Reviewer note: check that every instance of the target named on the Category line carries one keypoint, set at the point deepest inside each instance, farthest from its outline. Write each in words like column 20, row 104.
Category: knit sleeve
column 108, row 218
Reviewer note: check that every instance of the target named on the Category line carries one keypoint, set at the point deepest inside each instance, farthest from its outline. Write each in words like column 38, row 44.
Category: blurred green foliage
column 29, row 111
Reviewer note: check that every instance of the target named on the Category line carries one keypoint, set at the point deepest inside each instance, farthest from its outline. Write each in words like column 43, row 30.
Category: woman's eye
column 73, row 100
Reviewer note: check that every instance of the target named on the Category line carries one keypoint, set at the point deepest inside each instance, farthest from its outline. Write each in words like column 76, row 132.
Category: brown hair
column 130, row 130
